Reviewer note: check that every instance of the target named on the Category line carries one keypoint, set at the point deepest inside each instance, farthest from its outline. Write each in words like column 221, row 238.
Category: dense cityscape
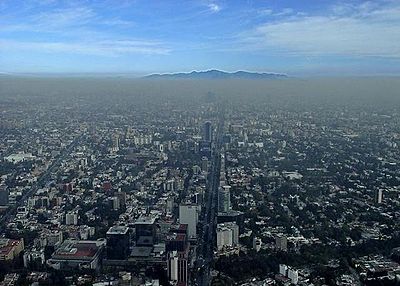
column 204, row 182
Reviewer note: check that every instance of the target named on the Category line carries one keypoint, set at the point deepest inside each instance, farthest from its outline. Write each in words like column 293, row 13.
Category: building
column 289, row 273
column 4, row 193
column 281, row 243
column 224, row 237
column 257, row 242
column 145, row 231
column 10, row 248
column 177, row 265
column 118, row 243
column 227, row 235
column 379, row 196
column 176, row 240
column 207, row 131
column 224, row 199
column 283, row 269
column 116, row 203
column 115, row 144
column 71, row 218
column 81, row 254
column 204, row 164
column 188, row 214
column 232, row 216
column 293, row 275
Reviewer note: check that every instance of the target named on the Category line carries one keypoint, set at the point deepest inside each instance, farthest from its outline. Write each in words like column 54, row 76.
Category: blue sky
column 310, row 37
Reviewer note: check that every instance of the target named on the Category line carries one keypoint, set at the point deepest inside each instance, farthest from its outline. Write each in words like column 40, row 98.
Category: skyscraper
column 379, row 196
column 177, row 267
column 224, row 198
column 281, row 242
column 207, row 131
column 188, row 214
column 118, row 242
column 145, row 231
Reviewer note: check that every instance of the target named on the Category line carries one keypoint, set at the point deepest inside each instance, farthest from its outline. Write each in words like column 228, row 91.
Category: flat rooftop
column 118, row 230
column 77, row 250
column 145, row 220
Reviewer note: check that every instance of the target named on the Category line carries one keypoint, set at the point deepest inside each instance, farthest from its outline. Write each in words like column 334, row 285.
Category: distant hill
column 217, row 74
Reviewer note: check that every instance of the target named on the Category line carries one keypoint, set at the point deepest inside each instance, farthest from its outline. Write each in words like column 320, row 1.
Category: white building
column 188, row 214
column 283, row 269
column 224, row 237
column 289, row 272
column 293, row 275
column 227, row 235
column 379, row 196
column 71, row 218
column 257, row 242
column 177, row 267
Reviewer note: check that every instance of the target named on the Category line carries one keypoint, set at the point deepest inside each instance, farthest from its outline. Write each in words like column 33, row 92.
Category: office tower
column 204, row 164
column 293, row 275
column 116, row 203
column 283, row 269
column 71, row 218
column 224, row 199
column 188, row 214
column 3, row 195
column 145, row 231
column 281, row 243
column 118, row 242
column 207, row 131
column 177, row 267
column 227, row 235
column 115, row 143
column 379, row 196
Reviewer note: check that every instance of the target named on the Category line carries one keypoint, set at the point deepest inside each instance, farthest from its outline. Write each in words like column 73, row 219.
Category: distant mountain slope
column 217, row 74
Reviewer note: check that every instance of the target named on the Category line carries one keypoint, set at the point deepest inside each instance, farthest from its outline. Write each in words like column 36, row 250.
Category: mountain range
column 217, row 74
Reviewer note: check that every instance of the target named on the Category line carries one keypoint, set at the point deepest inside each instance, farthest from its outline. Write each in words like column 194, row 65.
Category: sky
column 296, row 37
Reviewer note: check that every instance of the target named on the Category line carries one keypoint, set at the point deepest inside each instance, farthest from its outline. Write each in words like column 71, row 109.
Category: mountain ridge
column 217, row 74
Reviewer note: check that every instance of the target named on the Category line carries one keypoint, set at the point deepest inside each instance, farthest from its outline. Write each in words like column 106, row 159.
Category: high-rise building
column 207, row 131
column 224, row 199
column 379, row 196
column 115, row 143
column 145, row 231
column 281, row 243
column 204, row 164
column 3, row 195
column 188, row 214
column 293, row 275
column 71, row 218
column 283, row 269
column 227, row 235
column 116, row 203
column 224, row 237
column 118, row 242
column 178, row 267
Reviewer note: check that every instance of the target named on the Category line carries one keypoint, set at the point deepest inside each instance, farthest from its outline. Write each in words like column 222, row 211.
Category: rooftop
column 118, row 230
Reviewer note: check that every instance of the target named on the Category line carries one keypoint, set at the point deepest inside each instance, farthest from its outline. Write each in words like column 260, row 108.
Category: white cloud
column 363, row 30
column 65, row 17
column 215, row 8
column 103, row 48
column 285, row 12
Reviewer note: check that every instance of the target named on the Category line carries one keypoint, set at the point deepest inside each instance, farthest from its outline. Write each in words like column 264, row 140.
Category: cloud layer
column 361, row 30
